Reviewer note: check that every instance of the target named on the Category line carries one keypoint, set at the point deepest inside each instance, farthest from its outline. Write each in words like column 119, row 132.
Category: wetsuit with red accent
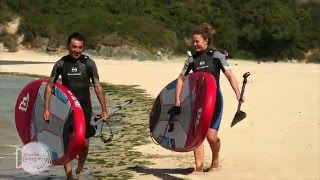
column 211, row 61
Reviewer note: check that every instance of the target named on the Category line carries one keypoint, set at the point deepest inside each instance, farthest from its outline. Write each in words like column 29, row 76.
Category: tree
column 309, row 19
column 268, row 28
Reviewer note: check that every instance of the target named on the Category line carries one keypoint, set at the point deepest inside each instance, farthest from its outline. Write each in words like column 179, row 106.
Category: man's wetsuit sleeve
column 56, row 71
column 94, row 75
column 187, row 66
column 224, row 65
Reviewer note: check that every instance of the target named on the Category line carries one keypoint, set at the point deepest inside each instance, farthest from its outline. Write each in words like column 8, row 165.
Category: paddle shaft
column 245, row 76
column 129, row 101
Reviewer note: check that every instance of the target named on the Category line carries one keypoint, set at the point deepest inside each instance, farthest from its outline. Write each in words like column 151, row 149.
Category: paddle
column 114, row 116
column 240, row 115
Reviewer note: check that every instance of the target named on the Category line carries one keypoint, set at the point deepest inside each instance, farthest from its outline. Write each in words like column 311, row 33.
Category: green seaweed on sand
column 116, row 160
column 133, row 131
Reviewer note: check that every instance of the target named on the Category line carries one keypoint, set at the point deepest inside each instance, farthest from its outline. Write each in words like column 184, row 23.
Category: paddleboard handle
column 173, row 112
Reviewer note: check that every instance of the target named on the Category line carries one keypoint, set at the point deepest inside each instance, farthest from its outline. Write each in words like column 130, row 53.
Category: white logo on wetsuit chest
column 74, row 72
column 74, row 69
column 202, row 65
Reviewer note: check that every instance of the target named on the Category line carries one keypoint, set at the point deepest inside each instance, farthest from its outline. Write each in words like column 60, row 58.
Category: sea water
column 10, row 88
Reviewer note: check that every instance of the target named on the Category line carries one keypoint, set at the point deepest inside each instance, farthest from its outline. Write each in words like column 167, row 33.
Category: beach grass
column 116, row 159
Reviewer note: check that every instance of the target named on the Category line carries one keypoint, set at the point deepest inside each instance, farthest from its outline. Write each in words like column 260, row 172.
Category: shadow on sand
column 162, row 173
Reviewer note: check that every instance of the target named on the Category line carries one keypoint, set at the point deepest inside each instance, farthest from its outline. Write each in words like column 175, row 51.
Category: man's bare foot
column 69, row 176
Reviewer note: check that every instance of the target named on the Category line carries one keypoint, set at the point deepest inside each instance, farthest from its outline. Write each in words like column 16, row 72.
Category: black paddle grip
column 245, row 76
column 97, row 117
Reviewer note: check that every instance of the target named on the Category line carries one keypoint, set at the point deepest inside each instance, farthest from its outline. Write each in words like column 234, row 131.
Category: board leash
column 98, row 119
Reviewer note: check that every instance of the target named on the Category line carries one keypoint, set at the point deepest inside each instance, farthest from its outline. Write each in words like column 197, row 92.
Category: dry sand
column 279, row 139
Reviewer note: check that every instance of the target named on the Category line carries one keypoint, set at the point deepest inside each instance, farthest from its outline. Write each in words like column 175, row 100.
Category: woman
column 206, row 59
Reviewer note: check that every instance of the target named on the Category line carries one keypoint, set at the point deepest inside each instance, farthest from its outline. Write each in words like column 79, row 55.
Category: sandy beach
column 279, row 139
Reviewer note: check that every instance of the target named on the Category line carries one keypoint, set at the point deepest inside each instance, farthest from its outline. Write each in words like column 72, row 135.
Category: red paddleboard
column 64, row 111
column 198, row 99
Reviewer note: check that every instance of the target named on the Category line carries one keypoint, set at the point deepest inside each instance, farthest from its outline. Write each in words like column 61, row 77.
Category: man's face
column 75, row 48
column 199, row 43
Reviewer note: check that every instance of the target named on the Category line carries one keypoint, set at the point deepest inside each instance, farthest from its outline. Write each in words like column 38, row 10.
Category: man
column 76, row 71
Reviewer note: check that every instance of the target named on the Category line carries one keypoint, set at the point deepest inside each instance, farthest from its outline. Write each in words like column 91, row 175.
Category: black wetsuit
column 211, row 61
column 76, row 75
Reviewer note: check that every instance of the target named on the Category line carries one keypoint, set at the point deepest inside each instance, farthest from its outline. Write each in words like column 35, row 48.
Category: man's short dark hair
column 76, row 36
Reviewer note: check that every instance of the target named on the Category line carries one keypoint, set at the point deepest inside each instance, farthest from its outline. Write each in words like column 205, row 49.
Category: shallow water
column 5, row 62
column 10, row 87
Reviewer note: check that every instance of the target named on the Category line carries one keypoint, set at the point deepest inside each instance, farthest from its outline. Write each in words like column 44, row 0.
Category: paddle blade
column 239, row 116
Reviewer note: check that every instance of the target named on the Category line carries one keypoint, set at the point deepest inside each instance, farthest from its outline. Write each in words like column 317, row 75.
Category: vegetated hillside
column 273, row 29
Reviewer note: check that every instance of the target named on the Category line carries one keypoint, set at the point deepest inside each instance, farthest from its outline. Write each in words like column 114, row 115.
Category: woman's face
column 75, row 48
column 199, row 43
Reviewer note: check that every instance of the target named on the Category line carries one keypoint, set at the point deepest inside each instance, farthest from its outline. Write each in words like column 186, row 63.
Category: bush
column 242, row 55
column 6, row 14
column 314, row 57
column 244, row 29
column 10, row 41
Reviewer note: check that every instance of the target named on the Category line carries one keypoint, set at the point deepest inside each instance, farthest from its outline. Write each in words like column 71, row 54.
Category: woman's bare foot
column 215, row 164
column 79, row 168
column 214, row 169
column 81, row 176
column 196, row 172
